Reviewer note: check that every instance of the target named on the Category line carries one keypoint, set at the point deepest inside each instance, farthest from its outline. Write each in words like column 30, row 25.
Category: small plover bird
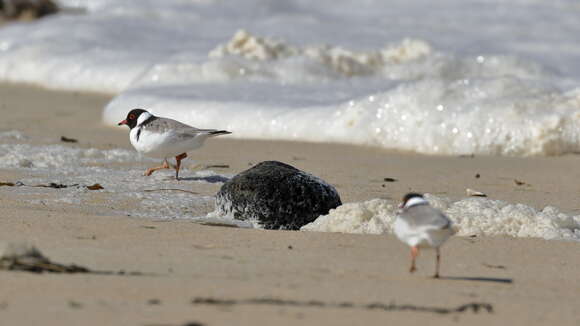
column 420, row 225
column 163, row 137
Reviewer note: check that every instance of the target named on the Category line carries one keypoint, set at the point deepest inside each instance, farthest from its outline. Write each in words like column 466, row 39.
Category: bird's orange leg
column 437, row 263
column 178, row 159
column 414, row 254
column 151, row 170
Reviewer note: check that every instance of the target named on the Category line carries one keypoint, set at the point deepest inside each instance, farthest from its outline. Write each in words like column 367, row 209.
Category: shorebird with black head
column 164, row 137
column 420, row 225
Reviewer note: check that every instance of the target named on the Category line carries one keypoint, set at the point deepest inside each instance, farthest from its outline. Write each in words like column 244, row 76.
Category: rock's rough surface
column 277, row 196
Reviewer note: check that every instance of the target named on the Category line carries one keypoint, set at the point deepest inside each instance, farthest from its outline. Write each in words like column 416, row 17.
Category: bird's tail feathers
column 219, row 132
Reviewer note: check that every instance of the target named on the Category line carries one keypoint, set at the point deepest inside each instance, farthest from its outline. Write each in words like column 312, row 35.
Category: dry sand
column 525, row 281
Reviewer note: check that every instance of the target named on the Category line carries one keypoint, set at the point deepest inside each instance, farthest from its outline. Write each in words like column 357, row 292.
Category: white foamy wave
column 344, row 62
column 500, row 116
column 499, row 105
column 504, row 115
column 371, row 73
column 248, row 57
column 118, row 44
column 472, row 216
column 218, row 217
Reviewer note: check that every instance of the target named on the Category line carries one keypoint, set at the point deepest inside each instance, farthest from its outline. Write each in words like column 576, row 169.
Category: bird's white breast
column 166, row 144
column 421, row 236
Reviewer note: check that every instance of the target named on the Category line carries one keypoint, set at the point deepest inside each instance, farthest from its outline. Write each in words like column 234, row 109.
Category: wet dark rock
column 277, row 196
column 27, row 9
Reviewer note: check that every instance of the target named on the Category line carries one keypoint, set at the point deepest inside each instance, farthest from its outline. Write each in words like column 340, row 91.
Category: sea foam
column 53, row 156
column 498, row 105
column 368, row 73
column 125, row 191
column 119, row 172
column 472, row 216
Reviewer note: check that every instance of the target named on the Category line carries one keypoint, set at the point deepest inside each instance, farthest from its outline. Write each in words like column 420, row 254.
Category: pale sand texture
column 190, row 260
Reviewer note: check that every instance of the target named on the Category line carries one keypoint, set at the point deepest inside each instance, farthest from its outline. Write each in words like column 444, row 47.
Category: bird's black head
column 132, row 117
column 409, row 196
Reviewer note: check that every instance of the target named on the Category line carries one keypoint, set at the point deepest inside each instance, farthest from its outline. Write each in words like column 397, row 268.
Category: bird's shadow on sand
column 208, row 179
column 477, row 279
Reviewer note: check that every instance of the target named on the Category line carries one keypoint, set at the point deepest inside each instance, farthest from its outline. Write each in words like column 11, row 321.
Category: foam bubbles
column 472, row 216
column 375, row 216
column 500, row 115
column 345, row 62
column 52, row 156
column 367, row 74
column 127, row 192
column 120, row 172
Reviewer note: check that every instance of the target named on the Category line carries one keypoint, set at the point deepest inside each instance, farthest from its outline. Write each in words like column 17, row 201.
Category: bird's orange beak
column 124, row 122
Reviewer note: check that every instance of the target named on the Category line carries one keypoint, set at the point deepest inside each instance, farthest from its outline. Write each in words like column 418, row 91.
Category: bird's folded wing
column 429, row 218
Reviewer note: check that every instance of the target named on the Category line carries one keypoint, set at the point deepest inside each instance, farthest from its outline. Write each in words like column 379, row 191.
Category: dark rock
column 27, row 9
column 276, row 195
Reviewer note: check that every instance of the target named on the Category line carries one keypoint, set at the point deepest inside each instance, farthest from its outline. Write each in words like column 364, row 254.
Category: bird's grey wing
column 179, row 129
column 427, row 216
column 161, row 125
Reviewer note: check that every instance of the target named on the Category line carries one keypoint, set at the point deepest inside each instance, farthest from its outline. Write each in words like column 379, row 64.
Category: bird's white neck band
column 415, row 201
column 143, row 117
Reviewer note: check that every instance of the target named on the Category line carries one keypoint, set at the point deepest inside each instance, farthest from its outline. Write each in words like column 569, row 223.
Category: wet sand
column 317, row 278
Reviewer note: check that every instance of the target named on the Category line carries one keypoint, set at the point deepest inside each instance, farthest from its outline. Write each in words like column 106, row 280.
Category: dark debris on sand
column 474, row 307
column 191, row 323
column 27, row 258
column 52, row 185
column 65, row 139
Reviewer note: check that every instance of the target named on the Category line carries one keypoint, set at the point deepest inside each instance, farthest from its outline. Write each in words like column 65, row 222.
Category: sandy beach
column 211, row 275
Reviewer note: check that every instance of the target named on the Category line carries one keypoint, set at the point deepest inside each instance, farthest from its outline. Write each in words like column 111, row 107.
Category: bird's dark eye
column 131, row 117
